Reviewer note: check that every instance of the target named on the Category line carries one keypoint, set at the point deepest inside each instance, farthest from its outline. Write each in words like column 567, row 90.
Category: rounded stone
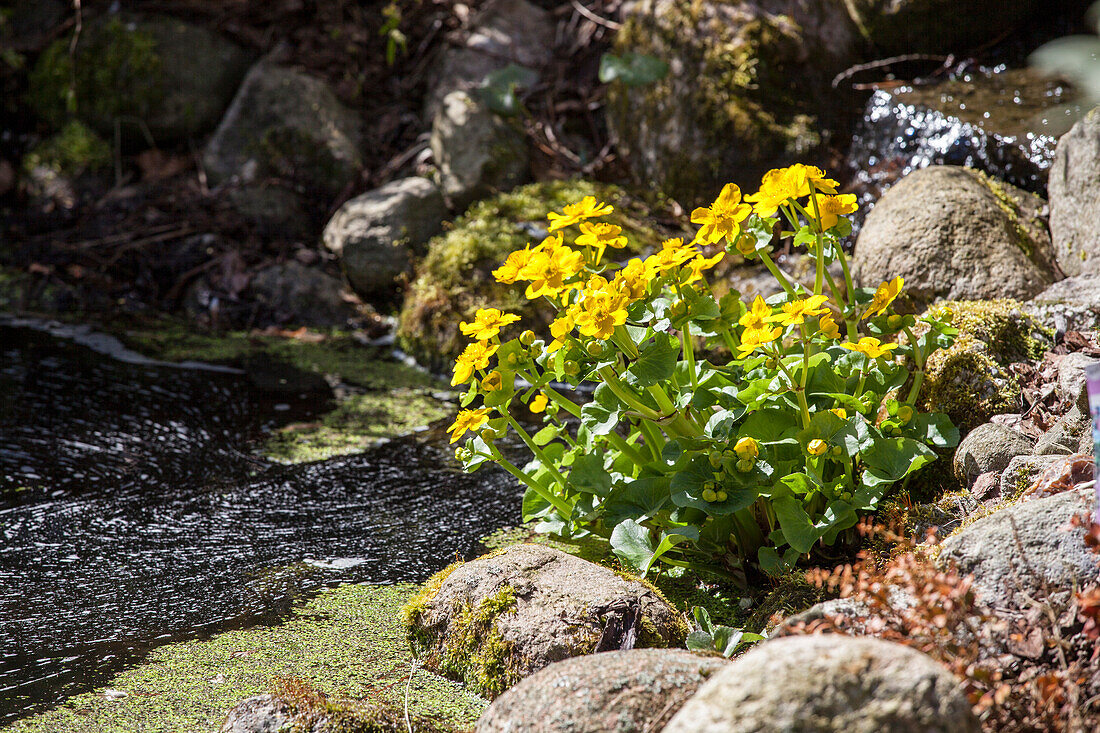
column 988, row 447
column 829, row 684
column 1074, row 187
column 954, row 233
column 376, row 235
column 612, row 692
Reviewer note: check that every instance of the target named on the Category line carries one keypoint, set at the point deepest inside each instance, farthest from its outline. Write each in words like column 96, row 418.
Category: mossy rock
column 456, row 277
column 495, row 620
column 76, row 148
column 152, row 74
column 346, row 647
column 747, row 90
column 971, row 381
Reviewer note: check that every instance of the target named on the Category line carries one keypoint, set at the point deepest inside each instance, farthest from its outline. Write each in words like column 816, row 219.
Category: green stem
column 539, row 453
column 776, row 272
column 624, row 342
column 689, row 356
column 620, row 444
column 802, row 403
column 653, row 438
column 625, row 396
column 555, row 501
column 820, row 275
column 918, row 378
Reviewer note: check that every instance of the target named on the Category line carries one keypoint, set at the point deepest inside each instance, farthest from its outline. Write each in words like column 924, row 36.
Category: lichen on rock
column 455, row 279
column 970, row 381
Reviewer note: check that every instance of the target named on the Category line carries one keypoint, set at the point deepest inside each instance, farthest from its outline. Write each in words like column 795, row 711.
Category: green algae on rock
column 347, row 643
column 971, row 381
column 455, row 279
column 72, row 151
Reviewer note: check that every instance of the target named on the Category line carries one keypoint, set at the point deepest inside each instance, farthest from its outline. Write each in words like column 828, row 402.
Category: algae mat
column 348, row 642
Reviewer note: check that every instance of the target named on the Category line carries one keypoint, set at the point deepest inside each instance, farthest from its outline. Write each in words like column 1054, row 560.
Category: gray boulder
column 825, row 684
column 478, row 152
column 285, row 123
column 748, row 89
column 277, row 213
column 500, row 33
column 259, row 714
column 1029, row 549
column 294, row 293
column 988, row 447
column 1072, row 304
column 955, row 233
column 376, row 235
column 614, row 692
column 502, row 617
column 1074, row 187
column 1072, row 388
column 1021, row 473
column 150, row 73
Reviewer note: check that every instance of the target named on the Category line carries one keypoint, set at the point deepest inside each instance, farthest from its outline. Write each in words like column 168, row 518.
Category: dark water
column 133, row 512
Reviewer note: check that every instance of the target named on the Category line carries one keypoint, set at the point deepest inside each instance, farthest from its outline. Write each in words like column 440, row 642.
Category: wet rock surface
column 952, row 233
column 1006, row 124
column 502, row 617
column 611, row 692
column 829, row 683
column 907, row 26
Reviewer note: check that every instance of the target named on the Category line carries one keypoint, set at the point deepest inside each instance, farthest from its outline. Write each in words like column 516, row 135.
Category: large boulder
column 495, row 620
column 288, row 124
column 615, row 692
column 294, row 293
column 827, row 684
column 1072, row 304
column 478, row 152
column 936, row 26
column 955, row 233
column 1026, row 550
column 499, row 33
column 376, row 235
column 972, row 381
column 456, row 276
column 988, row 447
column 1072, row 388
column 748, row 89
column 1074, row 187
column 151, row 73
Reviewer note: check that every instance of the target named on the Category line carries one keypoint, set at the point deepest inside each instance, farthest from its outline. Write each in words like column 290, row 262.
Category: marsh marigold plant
column 720, row 434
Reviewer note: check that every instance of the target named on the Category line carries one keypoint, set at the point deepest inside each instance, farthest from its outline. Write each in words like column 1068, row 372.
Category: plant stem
column 539, row 453
column 820, row 274
column 776, row 272
column 611, row 379
column 802, row 403
column 918, row 378
column 555, row 501
column 620, row 444
column 689, row 355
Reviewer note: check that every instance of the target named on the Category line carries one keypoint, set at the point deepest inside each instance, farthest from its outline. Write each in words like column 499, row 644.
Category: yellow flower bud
column 905, row 413
column 747, row 448
column 709, row 495
column 817, row 447
column 722, row 496
column 538, row 404
column 492, row 382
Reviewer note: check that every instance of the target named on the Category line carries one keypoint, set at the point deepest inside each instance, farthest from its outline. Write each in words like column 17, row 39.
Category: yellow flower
column 817, row 447
column 601, row 236
column 493, row 381
column 795, row 312
column 816, row 176
column 487, row 323
column 586, row 208
column 514, row 265
column 673, row 254
column 870, row 346
column 759, row 314
column 754, row 338
column 558, row 329
column 700, row 263
column 549, row 270
column 538, row 404
column 793, row 182
column 747, row 448
column 722, row 219
column 601, row 309
column 884, row 296
column 831, row 207
column 468, row 420
column 840, row 412
column 473, row 357
column 633, row 280
column 828, row 326
column 746, row 245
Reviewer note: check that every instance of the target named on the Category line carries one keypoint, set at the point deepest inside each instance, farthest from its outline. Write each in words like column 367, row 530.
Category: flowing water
column 133, row 512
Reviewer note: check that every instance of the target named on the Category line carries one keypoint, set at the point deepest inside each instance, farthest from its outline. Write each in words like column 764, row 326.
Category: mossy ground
column 73, row 150
column 455, row 279
column 347, row 643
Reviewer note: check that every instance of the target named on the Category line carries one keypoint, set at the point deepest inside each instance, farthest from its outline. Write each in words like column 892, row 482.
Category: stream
column 134, row 511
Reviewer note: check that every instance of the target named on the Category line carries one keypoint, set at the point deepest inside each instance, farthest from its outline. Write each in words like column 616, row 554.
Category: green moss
column 114, row 73
column 473, row 649
column 455, row 279
column 1021, row 237
column 789, row 594
column 337, row 354
column 970, row 382
column 347, row 643
column 357, row 422
column 72, row 151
